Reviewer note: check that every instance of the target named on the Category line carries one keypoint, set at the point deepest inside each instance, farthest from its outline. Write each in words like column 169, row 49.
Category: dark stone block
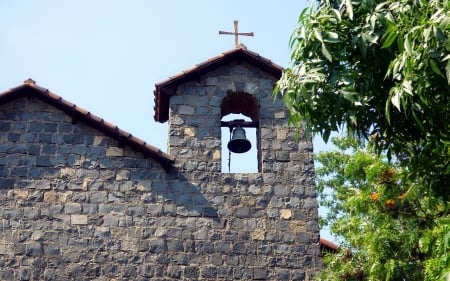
column 181, row 259
column 51, row 250
column 175, row 246
column 157, row 246
column 298, row 275
column 65, row 128
column 5, row 126
column 261, row 274
column 6, row 183
column 19, row 171
column 130, row 271
column 79, row 149
column 239, row 248
column 174, row 272
column 36, row 127
column 205, row 248
column 43, row 161
column 14, row 137
column 282, row 274
column 225, row 272
column 73, row 139
column 45, row 138
column 34, row 149
column 191, row 272
column 147, row 271
column 110, row 270
column 88, row 140
column 58, row 139
column 7, row 274
column 50, row 127
column 36, row 173
column 56, row 116
column 49, row 149
column 34, row 249
column 209, row 272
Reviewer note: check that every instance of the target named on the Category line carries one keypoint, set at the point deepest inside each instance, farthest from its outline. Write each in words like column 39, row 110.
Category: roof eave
column 30, row 89
column 165, row 89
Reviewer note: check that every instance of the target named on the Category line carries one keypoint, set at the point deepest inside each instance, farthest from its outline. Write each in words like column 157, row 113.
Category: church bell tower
column 271, row 212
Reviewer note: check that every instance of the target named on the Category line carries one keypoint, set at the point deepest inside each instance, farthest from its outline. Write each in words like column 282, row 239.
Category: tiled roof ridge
column 161, row 96
column 78, row 112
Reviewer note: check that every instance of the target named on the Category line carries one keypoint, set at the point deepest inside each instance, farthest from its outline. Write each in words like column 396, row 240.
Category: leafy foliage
column 379, row 68
column 381, row 71
column 391, row 227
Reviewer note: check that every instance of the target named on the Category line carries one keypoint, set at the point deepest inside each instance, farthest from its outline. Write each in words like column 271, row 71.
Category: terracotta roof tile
column 165, row 89
column 29, row 88
column 328, row 245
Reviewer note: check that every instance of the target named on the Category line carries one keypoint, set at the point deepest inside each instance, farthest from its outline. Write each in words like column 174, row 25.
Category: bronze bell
column 239, row 143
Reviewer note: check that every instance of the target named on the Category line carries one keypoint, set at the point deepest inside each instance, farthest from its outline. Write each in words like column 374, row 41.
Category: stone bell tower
column 268, row 219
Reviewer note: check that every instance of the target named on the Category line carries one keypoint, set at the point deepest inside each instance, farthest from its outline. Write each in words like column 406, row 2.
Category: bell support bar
column 239, row 123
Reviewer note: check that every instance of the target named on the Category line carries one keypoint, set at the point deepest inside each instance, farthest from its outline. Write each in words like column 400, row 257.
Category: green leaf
column 438, row 33
column 389, row 37
column 435, row 68
column 332, row 37
column 370, row 37
column 326, row 53
column 349, row 8
column 318, row 34
column 407, row 45
column 426, row 34
column 395, row 100
column 337, row 15
column 447, row 72
column 349, row 94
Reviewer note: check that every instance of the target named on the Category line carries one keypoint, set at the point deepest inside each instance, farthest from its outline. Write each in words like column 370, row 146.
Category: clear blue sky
column 107, row 55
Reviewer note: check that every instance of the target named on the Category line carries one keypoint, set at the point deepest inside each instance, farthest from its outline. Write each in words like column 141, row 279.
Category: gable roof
column 165, row 89
column 29, row 88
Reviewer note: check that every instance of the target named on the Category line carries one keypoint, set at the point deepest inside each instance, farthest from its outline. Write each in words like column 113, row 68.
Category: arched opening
column 243, row 108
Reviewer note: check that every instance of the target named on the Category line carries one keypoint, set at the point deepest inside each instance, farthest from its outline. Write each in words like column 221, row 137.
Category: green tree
column 391, row 229
column 381, row 71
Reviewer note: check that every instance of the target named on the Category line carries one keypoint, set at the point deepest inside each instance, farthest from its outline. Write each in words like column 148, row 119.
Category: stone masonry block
column 79, row 219
column 114, row 151
column 286, row 214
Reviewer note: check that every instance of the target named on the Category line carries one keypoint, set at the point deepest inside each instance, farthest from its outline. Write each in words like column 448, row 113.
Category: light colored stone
column 67, row 172
column 98, row 140
column 63, row 196
column 297, row 226
column 114, row 151
column 216, row 154
column 51, row 196
column 286, row 214
column 85, row 184
column 78, row 219
column 258, row 234
column 280, row 115
column 281, row 134
column 189, row 132
column 23, row 194
column 247, row 200
column 123, row 175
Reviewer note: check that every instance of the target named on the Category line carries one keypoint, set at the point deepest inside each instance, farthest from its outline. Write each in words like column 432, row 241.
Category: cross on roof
column 236, row 33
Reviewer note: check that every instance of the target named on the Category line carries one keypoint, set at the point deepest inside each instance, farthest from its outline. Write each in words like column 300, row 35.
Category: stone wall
column 273, row 212
column 76, row 205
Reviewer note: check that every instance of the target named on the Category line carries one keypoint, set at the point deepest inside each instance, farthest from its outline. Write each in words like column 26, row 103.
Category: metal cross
column 236, row 33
